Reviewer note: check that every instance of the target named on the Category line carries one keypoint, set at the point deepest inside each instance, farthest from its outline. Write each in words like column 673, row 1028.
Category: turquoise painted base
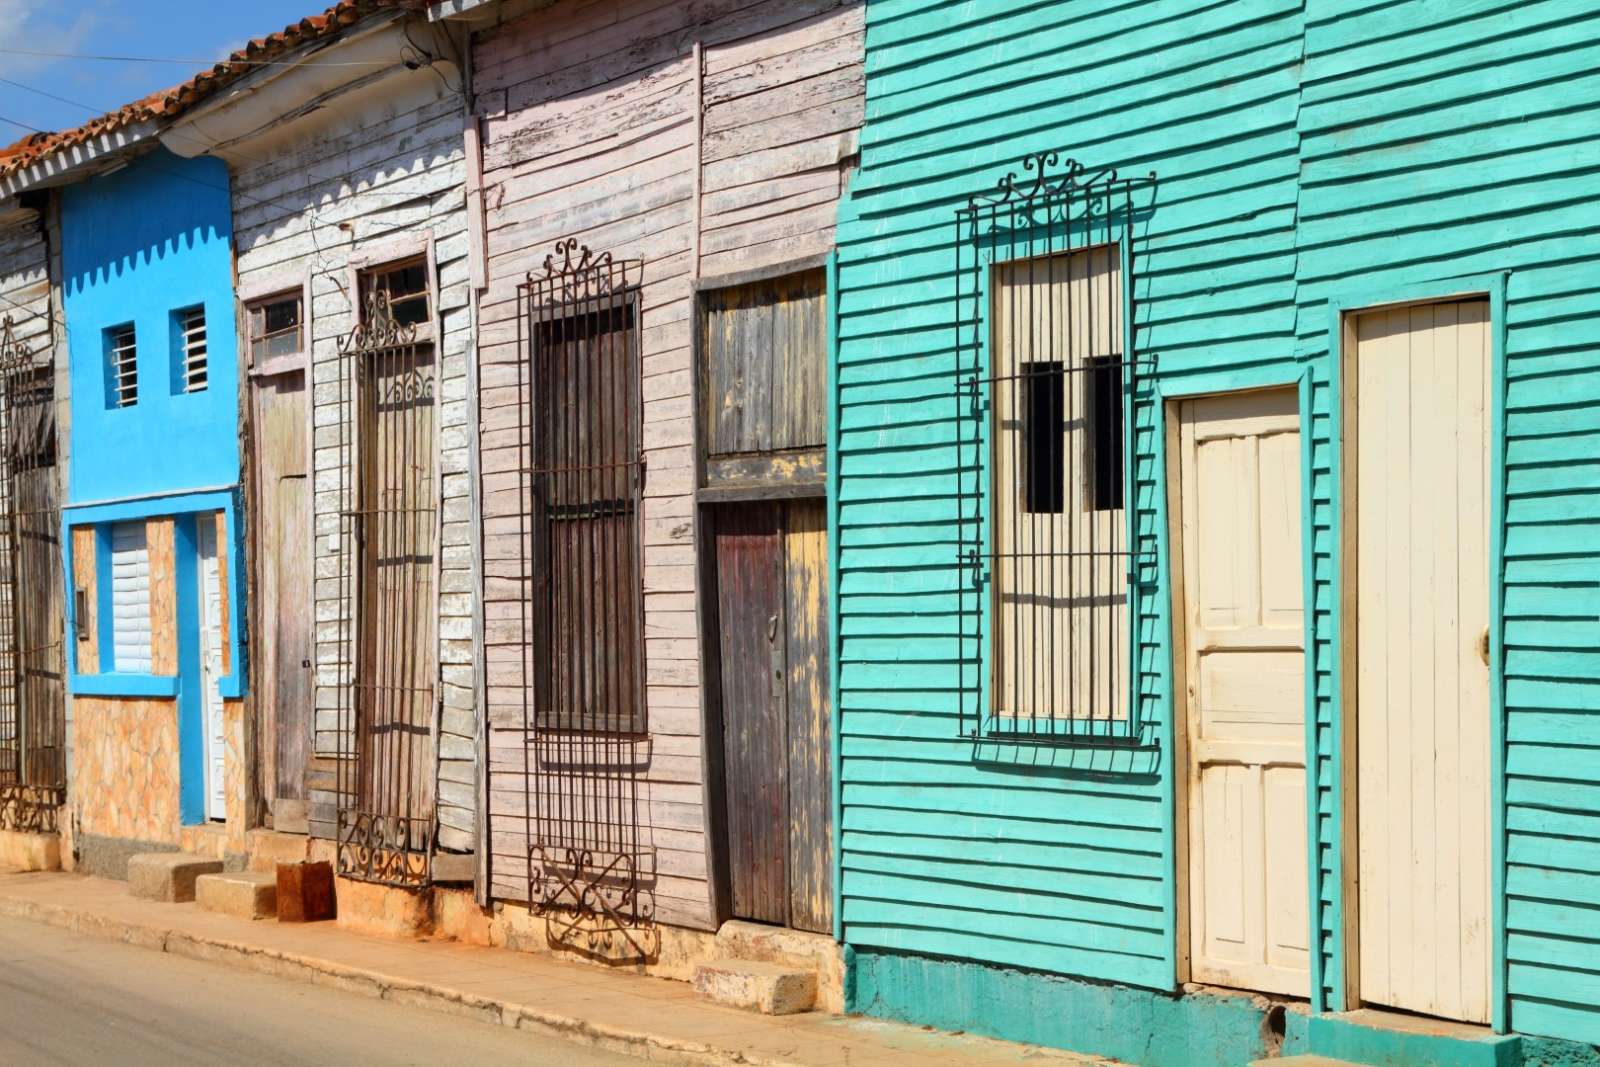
column 1551, row 1052
column 1340, row 1037
column 1136, row 1026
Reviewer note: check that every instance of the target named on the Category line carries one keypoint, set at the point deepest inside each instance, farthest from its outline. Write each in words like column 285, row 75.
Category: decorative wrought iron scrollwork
column 378, row 328
column 1047, row 373
column 595, row 901
column 588, row 275
column 30, row 809
column 14, row 352
column 386, row 691
column 390, row 849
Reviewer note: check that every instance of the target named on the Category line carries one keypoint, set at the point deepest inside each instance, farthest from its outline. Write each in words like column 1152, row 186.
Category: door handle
column 1483, row 646
column 776, row 658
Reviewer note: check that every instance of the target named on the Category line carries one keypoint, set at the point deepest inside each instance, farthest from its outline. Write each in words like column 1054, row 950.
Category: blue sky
column 189, row 30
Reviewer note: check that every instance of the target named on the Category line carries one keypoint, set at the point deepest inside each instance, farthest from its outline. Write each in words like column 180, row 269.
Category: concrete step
column 796, row 949
column 29, row 852
column 268, row 848
column 168, row 876
column 242, row 894
column 770, row 988
column 1377, row 1038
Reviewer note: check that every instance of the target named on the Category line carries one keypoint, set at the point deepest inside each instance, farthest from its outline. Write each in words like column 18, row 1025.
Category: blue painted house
column 153, row 575
column 1216, row 411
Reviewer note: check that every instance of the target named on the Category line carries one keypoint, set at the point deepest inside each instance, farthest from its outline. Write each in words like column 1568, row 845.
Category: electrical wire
column 205, row 63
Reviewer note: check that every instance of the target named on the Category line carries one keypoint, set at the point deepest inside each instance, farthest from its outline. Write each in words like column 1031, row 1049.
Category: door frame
column 1342, row 311
column 1167, row 399
column 261, row 740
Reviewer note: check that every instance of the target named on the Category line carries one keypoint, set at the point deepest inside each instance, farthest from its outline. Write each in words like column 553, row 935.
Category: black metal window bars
column 33, row 768
column 387, row 533
column 591, row 868
column 1046, row 372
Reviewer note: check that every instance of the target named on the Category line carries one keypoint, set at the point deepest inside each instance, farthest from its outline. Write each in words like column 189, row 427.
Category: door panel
column 809, row 768
column 1239, row 511
column 211, row 665
column 282, row 524
column 1421, row 379
column 751, row 609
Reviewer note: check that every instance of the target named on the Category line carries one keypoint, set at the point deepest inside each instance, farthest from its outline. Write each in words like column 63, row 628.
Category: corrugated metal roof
column 169, row 103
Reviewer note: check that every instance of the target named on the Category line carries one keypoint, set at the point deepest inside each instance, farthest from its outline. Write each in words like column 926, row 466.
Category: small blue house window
column 122, row 367
column 189, row 350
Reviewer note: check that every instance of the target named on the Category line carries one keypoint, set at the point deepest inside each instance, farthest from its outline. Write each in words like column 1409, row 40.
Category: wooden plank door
column 1421, row 395
column 1243, row 662
column 282, row 525
column 810, row 750
column 751, row 608
column 772, row 566
column 216, row 739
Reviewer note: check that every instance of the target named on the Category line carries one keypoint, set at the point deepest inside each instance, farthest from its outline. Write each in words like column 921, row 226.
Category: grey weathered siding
column 367, row 179
column 589, row 130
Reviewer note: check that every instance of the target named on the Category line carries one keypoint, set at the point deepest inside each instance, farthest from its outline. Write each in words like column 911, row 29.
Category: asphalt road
column 69, row 999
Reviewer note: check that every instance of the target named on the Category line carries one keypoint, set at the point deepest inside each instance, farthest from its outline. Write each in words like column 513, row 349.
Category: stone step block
column 305, row 891
column 268, row 848
column 242, row 894
column 770, row 988
column 168, row 876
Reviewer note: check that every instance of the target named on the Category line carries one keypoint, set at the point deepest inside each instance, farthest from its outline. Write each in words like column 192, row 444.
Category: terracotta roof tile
column 170, row 103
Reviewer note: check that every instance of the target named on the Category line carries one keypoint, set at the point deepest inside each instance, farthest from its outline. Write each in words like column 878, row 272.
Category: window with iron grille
column 588, row 612
column 1045, row 373
column 122, row 366
column 405, row 285
column 189, row 335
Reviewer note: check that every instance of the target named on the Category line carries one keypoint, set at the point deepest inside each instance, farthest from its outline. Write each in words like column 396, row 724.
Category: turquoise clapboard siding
column 1450, row 140
column 1056, row 861
column 1305, row 152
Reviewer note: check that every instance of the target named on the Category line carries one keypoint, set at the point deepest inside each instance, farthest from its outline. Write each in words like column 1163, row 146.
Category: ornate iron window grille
column 1046, row 376
column 387, row 532
column 33, row 770
column 591, row 868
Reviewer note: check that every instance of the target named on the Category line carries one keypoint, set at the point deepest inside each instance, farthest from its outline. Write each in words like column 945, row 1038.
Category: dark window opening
column 275, row 327
column 407, row 287
column 1104, row 432
column 1044, row 465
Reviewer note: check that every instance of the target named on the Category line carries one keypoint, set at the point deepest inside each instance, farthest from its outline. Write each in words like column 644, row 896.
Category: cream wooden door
column 211, row 666
column 1243, row 660
column 1421, row 383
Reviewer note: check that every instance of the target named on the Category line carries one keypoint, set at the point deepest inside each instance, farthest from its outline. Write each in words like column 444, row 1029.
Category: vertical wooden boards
column 86, row 578
column 395, row 678
column 751, row 604
column 1059, row 608
column 1423, row 679
column 809, row 764
column 280, row 467
column 1239, row 470
column 764, row 345
column 209, row 619
column 163, row 595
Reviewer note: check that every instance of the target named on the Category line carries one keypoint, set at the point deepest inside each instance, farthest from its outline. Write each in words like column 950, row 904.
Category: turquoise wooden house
column 1217, row 407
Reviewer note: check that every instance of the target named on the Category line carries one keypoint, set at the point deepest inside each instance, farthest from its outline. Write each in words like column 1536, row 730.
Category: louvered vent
column 122, row 372
column 192, row 334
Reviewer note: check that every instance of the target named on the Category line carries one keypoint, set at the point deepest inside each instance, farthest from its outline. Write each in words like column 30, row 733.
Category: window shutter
column 130, row 599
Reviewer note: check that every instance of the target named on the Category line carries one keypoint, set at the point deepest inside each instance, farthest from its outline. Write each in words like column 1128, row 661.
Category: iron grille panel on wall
column 33, row 769
column 1045, row 373
column 591, row 871
column 385, row 775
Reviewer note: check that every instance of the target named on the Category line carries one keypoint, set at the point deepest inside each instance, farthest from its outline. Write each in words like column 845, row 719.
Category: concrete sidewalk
column 654, row 1019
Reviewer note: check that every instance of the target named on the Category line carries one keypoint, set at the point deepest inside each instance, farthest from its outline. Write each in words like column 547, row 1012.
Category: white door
column 1244, row 668
column 1421, row 381
column 211, row 666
